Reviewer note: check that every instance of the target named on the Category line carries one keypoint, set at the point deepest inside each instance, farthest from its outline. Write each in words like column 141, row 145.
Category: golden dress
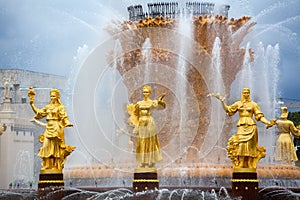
column 53, row 143
column 147, row 144
column 285, row 149
column 246, row 138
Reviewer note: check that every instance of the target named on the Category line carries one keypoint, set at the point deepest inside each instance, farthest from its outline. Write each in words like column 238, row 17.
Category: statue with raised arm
column 285, row 151
column 148, row 150
column 243, row 147
column 54, row 150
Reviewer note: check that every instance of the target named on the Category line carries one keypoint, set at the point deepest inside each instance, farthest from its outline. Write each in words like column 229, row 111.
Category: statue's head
column 245, row 94
column 147, row 87
column 55, row 96
column 147, row 90
column 284, row 113
column 56, row 91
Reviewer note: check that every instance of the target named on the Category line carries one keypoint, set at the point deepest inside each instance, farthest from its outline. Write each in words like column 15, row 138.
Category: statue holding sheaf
column 54, row 150
column 243, row 147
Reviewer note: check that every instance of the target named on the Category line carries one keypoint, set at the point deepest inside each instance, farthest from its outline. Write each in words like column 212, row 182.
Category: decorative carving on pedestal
column 145, row 181
column 50, row 184
column 245, row 184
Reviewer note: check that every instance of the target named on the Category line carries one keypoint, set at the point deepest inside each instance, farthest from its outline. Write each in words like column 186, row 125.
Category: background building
column 19, row 144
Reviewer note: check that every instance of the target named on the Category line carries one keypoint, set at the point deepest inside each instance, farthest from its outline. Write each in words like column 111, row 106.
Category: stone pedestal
column 245, row 184
column 145, row 181
column 51, row 185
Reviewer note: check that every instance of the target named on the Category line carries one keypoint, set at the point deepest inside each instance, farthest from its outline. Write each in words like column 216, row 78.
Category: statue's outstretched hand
column 272, row 123
column 217, row 95
column 161, row 97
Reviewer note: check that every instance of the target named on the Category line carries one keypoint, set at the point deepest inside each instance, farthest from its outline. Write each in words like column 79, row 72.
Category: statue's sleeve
column 40, row 113
column 132, row 110
column 63, row 116
column 257, row 112
column 232, row 109
column 293, row 129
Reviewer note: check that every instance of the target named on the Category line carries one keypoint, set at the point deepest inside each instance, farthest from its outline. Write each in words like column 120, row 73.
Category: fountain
column 187, row 57
column 22, row 171
column 157, row 50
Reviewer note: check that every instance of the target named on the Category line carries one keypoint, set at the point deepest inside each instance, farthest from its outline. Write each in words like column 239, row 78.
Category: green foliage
column 294, row 117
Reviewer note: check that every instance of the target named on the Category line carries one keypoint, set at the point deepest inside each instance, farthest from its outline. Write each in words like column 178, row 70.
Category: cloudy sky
column 45, row 35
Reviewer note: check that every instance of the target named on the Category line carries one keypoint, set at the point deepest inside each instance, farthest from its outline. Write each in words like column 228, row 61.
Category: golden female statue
column 285, row 150
column 1, row 129
column 54, row 150
column 147, row 145
column 243, row 146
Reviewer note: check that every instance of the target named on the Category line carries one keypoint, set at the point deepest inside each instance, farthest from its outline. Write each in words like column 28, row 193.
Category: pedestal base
column 51, row 185
column 245, row 184
column 145, row 181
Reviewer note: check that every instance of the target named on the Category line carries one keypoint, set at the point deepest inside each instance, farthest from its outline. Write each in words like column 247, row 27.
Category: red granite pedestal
column 145, row 181
column 51, row 186
column 245, row 184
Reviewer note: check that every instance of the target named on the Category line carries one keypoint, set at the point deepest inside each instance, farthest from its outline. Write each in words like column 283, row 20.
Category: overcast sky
column 44, row 35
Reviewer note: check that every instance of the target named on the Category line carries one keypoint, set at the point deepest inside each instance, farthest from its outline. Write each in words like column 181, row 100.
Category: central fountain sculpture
column 186, row 55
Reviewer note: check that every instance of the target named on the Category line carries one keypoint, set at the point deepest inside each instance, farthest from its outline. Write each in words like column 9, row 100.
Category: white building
column 19, row 163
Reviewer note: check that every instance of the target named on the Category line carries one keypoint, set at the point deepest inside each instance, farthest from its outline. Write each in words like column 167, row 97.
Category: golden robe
column 53, row 142
column 147, row 143
column 285, row 149
column 246, row 138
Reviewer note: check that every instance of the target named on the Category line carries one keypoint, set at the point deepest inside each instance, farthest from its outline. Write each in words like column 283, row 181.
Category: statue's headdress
column 284, row 112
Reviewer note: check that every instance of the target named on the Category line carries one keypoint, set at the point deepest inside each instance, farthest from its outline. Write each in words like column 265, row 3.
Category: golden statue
column 147, row 145
column 243, row 147
column 285, row 150
column 1, row 129
column 54, row 150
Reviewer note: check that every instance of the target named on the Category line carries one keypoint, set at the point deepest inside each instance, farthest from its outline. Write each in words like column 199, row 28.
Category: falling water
column 279, row 26
column 107, row 87
column 266, row 64
column 110, row 98
column 218, row 86
column 246, row 79
column 184, row 27
column 216, row 65
column 266, row 85
column 111, row 84
column 261, row 76
column 22, row 172
column 181, row 91
column 146, row 52
column 217, row 114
